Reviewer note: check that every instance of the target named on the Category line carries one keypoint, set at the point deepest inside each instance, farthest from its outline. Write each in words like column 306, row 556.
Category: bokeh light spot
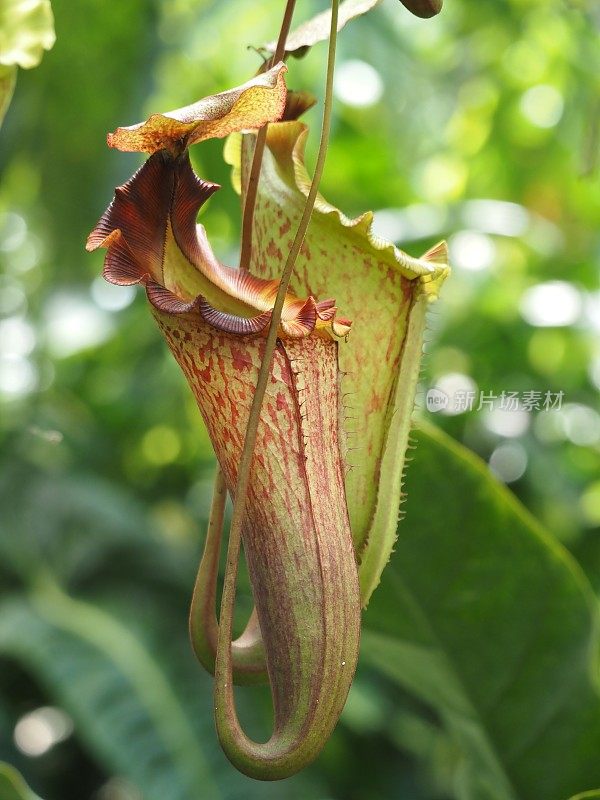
column 417, row 221
column 161, row 445
column 546, row 350
column 542, row 105
column 38, row 731
column 12, row 297
column 442, row 178
column 505, row 422
column 357, row 84
column 554, row 303
column 582, row 424
column 17, row 337
column 508, row 461
column 458, row 388
column 549, row 426
column 13, row 231
column 589, row 503
column 74, row 324
column 496, row 216
column 472, row 251
column 109, row 297
column 18, row 377
column 118, row 789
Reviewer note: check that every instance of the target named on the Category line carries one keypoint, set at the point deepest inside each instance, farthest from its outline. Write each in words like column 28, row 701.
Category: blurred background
column 481, row 126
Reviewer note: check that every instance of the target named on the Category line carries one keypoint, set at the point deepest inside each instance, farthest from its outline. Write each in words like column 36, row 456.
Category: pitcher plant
column 308, row 407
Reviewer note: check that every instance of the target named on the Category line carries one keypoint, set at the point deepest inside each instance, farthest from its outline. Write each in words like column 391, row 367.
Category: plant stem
column 247, row 651
column 259, row 149
column 202, row 623
column 223, row 663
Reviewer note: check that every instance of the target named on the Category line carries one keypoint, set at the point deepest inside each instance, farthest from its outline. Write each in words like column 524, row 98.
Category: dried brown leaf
column 246, row 107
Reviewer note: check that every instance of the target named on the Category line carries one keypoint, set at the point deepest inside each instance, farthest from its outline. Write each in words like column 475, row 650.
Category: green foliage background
column 478, row 676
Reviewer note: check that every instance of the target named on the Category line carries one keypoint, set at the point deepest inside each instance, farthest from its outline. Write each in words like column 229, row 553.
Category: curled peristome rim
column 158, row 206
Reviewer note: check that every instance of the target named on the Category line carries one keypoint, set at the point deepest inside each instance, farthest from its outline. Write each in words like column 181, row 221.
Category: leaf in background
column 259, row 100
column 593, row 795
column 81, row 528
column 26, row 30
column 118, row 694
column 489, row 621
column 12, row 785
column 317, row 29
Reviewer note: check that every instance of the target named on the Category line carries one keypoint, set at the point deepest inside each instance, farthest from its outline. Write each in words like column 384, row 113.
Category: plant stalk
column 259, row 149
column 285, row 756
column 248, row 651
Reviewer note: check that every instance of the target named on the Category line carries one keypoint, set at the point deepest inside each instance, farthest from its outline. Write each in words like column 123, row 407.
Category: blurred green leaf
column 26, row 30
column 593, row 795
column 489, row 621
column 116, row 691
column 12, row 785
